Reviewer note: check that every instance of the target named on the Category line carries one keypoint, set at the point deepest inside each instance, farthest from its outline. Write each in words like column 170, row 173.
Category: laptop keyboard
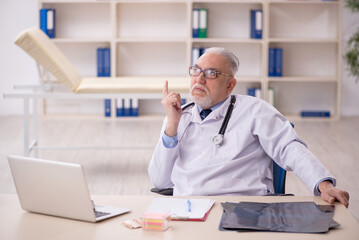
column 100, row 214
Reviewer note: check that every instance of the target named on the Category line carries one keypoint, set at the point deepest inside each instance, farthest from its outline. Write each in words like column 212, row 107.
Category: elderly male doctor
column 189, row 158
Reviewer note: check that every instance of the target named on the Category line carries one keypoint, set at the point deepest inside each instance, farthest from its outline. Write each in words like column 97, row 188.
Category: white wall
column 15, row 66
column 18, row 68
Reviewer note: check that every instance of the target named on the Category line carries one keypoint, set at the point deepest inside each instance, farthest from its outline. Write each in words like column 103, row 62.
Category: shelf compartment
column 248, row 79
column 249, row 55
column 302, row 79
column 76, row 1
column 288, row 20
column 81, row 40
column 152, row 20
column 151, row 40
column 235, row 13
column 82, row 56
column 230, row 1
column 309, row 59
column 298, row 118
column 150, row 1
column 242, row 87
column 227, row 40
column 73, row 19
column 292, row 98
column 305, row 2
column 303, row 40
column 151, row 59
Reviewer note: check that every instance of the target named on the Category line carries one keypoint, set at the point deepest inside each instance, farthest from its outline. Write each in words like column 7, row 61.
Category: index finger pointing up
column 165, row 89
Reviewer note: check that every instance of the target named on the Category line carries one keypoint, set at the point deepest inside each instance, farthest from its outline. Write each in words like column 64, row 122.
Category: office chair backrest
column 38, row 45
column 279, row 176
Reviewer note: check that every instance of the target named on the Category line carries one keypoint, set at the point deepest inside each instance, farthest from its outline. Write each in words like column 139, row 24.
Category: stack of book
column 199, row 22
column 275, row 62
column 103, row 62
column 47, row 21
column 257, row 92
column 196, row 53
column 104, row 70
column 315, row 114
column 127, row 107
column 256, row 24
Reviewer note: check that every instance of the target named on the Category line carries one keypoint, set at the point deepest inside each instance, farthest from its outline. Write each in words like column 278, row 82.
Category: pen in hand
column 189, row 205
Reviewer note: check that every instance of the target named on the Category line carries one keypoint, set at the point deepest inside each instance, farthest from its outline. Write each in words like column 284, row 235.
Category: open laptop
column 57, row 189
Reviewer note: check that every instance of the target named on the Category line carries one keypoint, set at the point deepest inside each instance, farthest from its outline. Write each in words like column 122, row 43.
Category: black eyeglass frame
column 206, row 73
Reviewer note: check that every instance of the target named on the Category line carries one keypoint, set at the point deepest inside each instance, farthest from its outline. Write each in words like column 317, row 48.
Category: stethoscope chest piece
column 218, row 140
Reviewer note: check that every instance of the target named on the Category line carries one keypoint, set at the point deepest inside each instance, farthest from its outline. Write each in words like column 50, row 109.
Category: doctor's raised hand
column 171, row 102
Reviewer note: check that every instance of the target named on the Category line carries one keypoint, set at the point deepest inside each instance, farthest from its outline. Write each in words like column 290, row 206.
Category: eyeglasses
column 208, row 73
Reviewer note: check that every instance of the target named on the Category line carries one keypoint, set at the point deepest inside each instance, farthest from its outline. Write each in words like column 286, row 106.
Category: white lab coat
column 256, row 134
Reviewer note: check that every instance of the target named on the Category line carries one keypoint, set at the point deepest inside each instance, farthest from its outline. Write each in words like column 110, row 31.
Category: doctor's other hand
column 171, row 102
column 330, row 194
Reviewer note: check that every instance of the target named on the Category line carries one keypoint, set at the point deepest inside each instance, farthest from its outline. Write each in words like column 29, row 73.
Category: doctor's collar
column 214, row 107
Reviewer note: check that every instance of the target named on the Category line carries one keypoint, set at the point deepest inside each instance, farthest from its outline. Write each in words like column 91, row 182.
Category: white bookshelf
column 310, row 34
column 151, row 38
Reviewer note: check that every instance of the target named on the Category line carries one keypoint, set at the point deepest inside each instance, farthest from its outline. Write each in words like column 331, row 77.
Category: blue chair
column 279, row 177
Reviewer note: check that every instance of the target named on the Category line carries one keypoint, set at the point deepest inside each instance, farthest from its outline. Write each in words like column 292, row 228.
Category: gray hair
column 232, row 59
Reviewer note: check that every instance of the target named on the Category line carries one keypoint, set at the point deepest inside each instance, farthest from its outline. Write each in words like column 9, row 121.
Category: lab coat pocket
column 224, row 186
column 228, row 150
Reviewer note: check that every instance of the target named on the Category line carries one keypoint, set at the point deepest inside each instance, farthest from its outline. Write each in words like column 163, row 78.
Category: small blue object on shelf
column 278, row 62
column 100, row 67
column 104, row 70
column 271, row 60
column 134, row 107
column 256, row 24
column 107, row 62
column 47, row 21
column 43, row 20
column 195, row 22
column 196, row 53
column 107, row 107
column 251, row 92
column 275, row 62
column 315, row 114
column 127, row 107
column 120, row 110
column 254, row 92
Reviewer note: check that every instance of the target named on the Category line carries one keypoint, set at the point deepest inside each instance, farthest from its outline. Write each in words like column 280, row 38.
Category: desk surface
column 16, row 223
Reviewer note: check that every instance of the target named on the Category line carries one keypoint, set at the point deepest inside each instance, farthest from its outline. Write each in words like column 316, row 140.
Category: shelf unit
column 154, row 38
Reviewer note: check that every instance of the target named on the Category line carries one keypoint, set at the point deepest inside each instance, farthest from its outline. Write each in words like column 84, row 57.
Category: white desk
column 18, row 224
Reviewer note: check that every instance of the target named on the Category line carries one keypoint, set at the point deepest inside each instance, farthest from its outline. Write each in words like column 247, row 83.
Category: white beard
column 204, row 102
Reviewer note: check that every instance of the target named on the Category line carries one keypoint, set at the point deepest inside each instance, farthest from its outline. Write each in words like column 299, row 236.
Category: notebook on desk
column 195, row 209
column 57, row 189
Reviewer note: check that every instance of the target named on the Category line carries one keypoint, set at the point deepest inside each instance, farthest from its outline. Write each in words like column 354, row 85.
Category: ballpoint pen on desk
column 189, row 205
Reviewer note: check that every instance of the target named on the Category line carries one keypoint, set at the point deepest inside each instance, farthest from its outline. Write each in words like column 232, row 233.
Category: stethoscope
column 218, row 139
